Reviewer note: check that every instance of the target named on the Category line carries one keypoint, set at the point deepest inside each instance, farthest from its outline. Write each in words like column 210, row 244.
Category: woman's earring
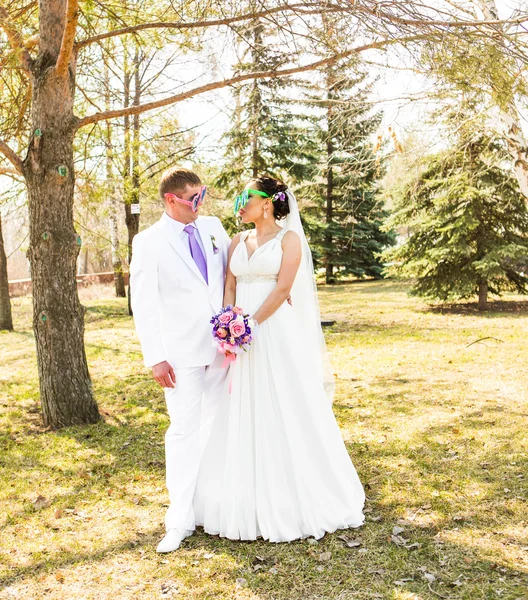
column 265, row 214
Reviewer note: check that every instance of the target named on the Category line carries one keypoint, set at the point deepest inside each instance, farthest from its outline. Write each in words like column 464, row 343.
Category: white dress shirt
column 178, row 228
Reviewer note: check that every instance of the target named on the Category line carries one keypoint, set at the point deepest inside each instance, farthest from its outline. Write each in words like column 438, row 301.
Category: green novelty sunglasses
column 242, row 199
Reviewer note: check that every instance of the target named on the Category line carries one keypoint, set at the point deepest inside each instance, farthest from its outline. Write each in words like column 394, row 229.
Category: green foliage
column 345, row 215
column 481, row 69
column 266, row 135
column 306, row 140
column 467, row 222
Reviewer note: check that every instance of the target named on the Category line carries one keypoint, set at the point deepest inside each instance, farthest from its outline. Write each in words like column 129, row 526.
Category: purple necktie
column 196, row 252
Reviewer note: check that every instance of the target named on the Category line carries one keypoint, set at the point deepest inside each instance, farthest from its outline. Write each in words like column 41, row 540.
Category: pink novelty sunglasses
column 194, row 202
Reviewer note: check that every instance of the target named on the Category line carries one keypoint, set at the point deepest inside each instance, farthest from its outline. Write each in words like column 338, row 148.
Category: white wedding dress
column 275, row 465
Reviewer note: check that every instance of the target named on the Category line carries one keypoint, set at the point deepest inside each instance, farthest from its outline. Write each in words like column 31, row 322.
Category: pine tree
column 266, row 135
column 321, row 145
column 468, row 224
column 345, row 218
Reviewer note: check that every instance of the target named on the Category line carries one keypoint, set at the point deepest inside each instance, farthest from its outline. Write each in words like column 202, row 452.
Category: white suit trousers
column 191, row 406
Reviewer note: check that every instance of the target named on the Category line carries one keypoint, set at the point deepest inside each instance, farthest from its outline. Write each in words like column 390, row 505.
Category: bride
column 275, row 465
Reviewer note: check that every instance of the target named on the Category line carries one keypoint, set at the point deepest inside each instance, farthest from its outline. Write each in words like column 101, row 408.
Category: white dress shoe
column 173, row 539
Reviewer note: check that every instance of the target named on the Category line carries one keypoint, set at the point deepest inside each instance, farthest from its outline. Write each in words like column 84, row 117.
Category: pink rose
column 221, row 332
column 225, row 317
column 237, row 328
column 237, row 310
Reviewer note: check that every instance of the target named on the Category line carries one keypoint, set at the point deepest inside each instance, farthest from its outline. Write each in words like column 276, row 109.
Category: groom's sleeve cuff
column 151, row 359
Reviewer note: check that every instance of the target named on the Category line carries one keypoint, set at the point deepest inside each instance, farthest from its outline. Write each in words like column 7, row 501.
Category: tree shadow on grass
column 27, row 333
column 351, row 576
column 364, row 287
column 97, row 349
column 294, row 568
column 101, row 312
column 497, row 308
column 118, row 445
column 72, row 558
column 296, row 563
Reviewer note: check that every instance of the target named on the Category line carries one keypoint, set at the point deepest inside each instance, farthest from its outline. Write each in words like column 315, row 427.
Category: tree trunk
column 127, row 170
column 329, row 213
column 255, row 131
column 256, row 100
column 132, row 162
column 483, row 295
column 58, row 317
column 329, row 217
column 6, row 318
column 117, row 265
column 84, row 262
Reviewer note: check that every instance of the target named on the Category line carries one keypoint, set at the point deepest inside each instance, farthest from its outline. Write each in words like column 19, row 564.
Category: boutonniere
column 215, row 247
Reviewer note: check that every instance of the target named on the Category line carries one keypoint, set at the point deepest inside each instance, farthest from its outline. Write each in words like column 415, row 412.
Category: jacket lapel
column 177, row 244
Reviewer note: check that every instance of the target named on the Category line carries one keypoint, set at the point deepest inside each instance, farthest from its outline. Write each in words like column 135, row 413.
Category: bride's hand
column 253, row 323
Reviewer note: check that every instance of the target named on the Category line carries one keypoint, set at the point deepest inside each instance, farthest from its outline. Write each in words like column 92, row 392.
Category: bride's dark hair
column 276, row 189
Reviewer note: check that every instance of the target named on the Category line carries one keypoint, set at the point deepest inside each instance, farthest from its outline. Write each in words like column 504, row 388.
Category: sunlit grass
column 435, row 423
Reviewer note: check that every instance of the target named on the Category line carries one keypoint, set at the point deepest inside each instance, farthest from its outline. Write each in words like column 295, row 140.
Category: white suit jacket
column 171, row 302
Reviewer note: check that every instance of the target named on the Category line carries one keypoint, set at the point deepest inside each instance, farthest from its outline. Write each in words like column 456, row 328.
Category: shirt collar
column 176, row 226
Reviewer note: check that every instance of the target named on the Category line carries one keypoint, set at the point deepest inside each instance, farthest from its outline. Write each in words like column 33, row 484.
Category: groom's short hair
column 176, row 179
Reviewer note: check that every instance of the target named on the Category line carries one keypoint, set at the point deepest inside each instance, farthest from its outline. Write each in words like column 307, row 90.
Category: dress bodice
column 263, row 265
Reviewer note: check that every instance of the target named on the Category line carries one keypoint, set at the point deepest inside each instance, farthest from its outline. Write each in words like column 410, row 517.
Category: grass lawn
column 435, row 424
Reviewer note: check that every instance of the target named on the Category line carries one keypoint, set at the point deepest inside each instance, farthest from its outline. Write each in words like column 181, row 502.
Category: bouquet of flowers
column 232, row 330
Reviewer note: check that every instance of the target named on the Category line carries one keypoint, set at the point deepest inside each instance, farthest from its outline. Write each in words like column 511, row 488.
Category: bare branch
column 378, row 13
column 140, row 108
column 68, row 38
column 8, row 171
column 32, row 41
column 489, row 337
column 350, row 6
column 23, row 108
column 301, row 7
column 25, row 9
column 11, row 156
column 15, row 39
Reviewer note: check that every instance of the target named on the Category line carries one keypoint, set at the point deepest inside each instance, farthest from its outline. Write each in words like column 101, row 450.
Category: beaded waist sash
column 256, row 278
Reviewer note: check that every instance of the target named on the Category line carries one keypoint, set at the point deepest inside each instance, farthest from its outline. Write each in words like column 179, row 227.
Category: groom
column 177, row 279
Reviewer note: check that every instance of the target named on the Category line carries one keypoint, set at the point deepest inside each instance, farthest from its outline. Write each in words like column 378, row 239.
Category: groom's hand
column 164, row 374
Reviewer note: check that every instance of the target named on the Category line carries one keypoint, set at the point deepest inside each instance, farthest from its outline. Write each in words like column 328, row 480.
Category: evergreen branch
column 68, row 38
column 11, row 156
column 301, row 7
column 140, row 108
column 15, row 40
